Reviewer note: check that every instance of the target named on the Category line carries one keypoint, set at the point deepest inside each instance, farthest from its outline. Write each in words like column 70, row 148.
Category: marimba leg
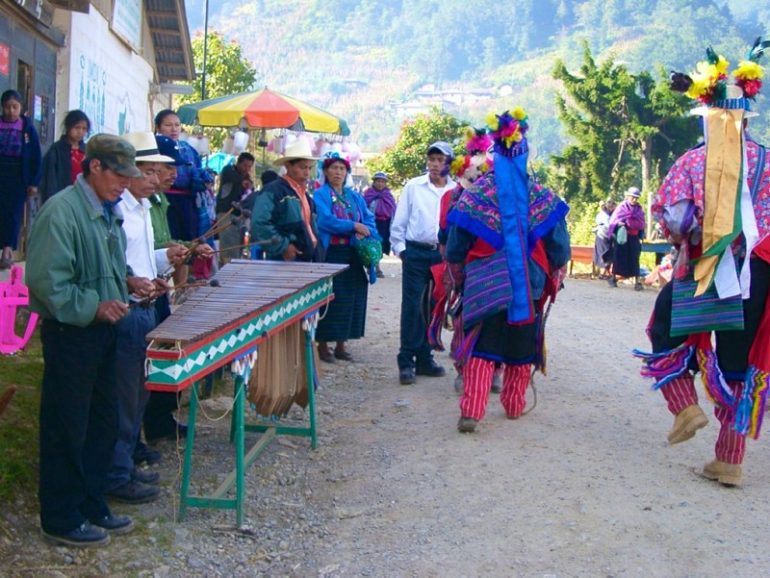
column 310, row 368
column 238, row 411
column 184, row 491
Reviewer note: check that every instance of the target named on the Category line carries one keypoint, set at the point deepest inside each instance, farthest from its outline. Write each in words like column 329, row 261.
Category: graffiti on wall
column 92, row 96
column 108, row 113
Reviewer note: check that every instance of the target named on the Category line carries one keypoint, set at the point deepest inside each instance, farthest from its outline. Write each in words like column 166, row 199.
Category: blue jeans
column 130, row 392
column 415, row 267
column 78, row 423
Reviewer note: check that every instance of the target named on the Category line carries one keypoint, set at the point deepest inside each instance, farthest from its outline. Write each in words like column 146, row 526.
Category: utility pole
column 205, row 47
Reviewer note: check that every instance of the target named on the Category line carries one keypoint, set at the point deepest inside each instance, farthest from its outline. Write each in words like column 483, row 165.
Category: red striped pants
column 730, row 446
column 477, row 377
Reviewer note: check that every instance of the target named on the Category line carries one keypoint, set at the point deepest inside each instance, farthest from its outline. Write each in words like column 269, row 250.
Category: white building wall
column 102, row 76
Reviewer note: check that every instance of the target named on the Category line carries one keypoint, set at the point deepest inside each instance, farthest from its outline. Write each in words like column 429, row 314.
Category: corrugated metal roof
column 167, row 21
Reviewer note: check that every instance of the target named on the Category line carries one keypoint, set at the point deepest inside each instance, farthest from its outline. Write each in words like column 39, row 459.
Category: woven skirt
column 345, row 317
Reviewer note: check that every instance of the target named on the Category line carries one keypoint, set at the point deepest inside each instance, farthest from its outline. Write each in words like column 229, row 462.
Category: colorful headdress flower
column 709, row 83
column 471, row 165
column 508, row 130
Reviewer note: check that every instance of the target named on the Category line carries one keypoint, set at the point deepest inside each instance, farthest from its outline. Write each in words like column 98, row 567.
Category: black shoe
column 431, row 370
column 406, row 376
column 179, row 433
column 343, row 355
column 144, row 454
column 134, row 492
column 84, row 536
column 145, row 476
column 114, row 524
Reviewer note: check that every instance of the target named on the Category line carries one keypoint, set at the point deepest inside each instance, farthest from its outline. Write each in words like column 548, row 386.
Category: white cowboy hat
column 146, row 147
column 298, row 150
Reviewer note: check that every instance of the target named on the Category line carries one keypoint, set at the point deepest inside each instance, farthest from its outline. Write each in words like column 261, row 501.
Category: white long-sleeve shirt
column 417, row 213
column 141, row 255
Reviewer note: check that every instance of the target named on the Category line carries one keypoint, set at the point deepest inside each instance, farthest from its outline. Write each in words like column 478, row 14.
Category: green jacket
column 158, row 215
column 76, row 258
column 277, row 216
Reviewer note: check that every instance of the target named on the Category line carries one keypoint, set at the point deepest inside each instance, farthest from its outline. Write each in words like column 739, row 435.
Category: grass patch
column 19, row 424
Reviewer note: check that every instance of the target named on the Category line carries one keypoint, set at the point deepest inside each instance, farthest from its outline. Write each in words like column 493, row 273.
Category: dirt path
column 582, row 486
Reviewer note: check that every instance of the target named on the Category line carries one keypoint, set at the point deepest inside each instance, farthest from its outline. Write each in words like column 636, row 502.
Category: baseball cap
column 441, row 147
column 170, row 148
column 115, row 153
column 380, row 175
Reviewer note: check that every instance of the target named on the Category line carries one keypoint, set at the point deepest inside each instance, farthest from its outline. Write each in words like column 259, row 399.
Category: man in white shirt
column 414, row 238
column 125, row 482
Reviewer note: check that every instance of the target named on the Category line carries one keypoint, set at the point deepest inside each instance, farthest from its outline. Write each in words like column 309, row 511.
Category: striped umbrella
column 263, row 109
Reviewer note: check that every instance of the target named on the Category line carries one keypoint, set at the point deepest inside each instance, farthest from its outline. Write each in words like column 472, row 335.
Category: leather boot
column 686, row 423
column 729, row 475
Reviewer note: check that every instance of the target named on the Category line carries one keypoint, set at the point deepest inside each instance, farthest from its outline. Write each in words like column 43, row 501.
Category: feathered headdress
column 709, row 83
column 477, row 143
column 508, row 130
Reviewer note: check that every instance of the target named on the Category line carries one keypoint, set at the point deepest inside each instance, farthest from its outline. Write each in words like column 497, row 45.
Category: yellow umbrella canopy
column 263, row 109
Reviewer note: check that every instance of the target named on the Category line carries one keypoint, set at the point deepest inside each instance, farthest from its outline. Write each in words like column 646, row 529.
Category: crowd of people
column 483, row 249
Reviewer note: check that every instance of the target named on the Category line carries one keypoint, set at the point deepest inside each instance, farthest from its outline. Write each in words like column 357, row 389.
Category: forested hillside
column 359, row 58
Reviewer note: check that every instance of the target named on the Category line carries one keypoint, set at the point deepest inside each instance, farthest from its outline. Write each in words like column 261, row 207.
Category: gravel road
column 584, row 485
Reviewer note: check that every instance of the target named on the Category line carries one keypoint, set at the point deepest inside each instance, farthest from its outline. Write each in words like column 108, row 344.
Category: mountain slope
column 363, row 59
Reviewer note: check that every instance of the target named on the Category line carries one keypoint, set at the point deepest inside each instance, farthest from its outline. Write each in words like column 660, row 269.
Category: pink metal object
column 13, row 294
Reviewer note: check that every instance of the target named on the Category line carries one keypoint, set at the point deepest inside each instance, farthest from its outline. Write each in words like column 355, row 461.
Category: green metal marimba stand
column 241, row 370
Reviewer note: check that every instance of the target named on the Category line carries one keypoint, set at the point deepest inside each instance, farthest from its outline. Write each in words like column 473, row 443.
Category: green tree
column 626, row 129
column 406, row 158
column 227, row 70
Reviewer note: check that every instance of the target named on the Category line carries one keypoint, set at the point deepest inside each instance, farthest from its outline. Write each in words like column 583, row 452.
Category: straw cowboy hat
column 298, row 150
column 146, row 147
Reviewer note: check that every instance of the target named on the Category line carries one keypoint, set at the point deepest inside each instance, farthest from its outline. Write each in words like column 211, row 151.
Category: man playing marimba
column 283, row 212
column 76, row 273
column 126, row 483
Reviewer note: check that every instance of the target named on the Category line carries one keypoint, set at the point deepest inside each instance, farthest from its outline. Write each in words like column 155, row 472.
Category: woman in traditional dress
column 19, row 170
column 380, row 201
column 626, row 231
column 602, row 243
column 62, row 162
column 343, row 219
column 190, row 183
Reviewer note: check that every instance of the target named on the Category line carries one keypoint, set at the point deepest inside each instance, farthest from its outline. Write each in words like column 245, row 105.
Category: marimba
column 225, row 323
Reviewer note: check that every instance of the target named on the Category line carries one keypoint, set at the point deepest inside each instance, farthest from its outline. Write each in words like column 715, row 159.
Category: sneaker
column 638, row 287
column 406, row 376
column 497, row 382
column 467, row 425
column 459, row 384
column 84, row 536
column 114, row 524
column 612, row 282
column 134, row 492
column 145, row 476
column 686, row 423
column 144, row 454
column 432, row 369
column 729, row 475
